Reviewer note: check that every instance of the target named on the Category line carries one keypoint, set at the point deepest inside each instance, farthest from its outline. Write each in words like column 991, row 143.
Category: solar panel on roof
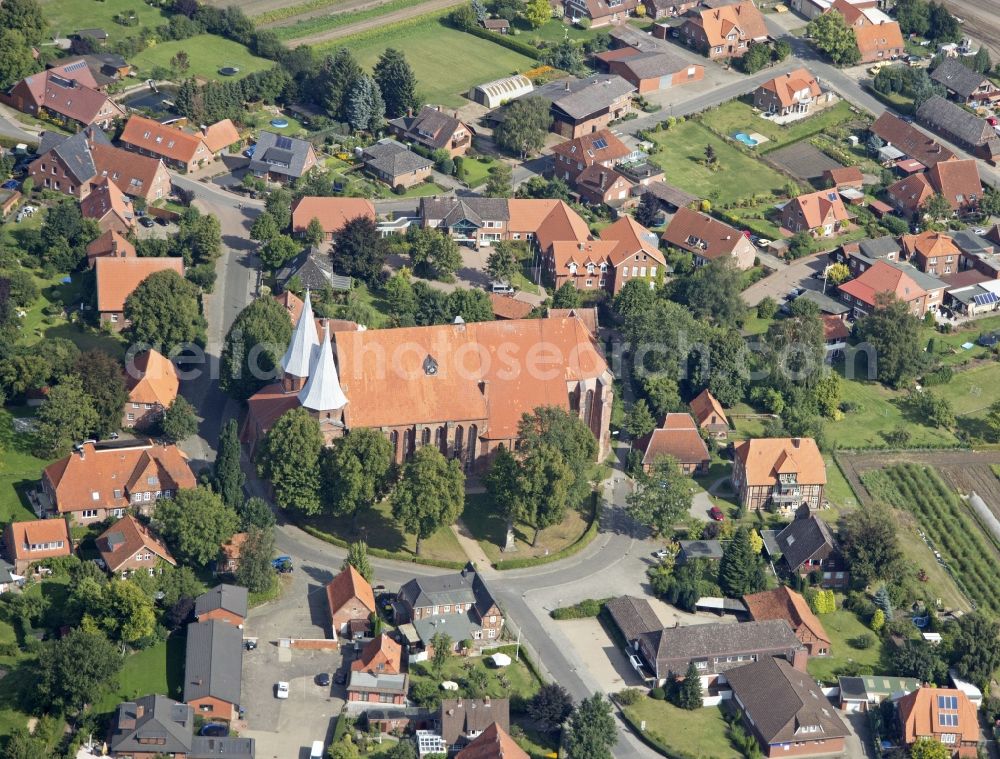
column 284, row 142
column 831, row 196
column 75, row 66
column 984, row 299
column 600, row 143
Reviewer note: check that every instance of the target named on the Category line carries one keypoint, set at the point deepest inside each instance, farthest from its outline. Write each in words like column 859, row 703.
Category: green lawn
column 207, row 54
column 157, row 669
column 68, row 16
column 551, row 31
column 261, row 120
column 20, row 471
column 447, row 62
column 682, row 150
column 844, row 628
column 491, row 531
column 738, row 116
column 475, row 170
column 698, row 733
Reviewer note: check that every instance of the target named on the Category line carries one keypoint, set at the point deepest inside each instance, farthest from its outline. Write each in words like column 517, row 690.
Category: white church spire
column 322, row 391
column 304, row 340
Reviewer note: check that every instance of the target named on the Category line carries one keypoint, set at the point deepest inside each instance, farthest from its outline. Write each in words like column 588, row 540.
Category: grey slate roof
column 278, row 154
column 430, row 127
column 378, row 683
column 213, row 664
column 579, row 98
column 826, row 304
column 314, row 269
column 475, row 209
column 462, row 716
column 224, row 596
column 971, row 243
column 957, row 77
column 784, row 703
column 803, row 538
column 394, row 159
column 947, row 117
column 74, row 151
column 701, row 549
column 634, row 616
column 203, row 747
column 719, row 639
column 672, row 196
column 162, row 718
column 6, row 572
column 458, row 627
column 880, row 247
column 656, row 63
column 462, row 587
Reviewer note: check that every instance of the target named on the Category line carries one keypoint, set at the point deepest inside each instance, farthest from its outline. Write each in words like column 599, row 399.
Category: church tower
column 322, row 395
column 295, row 362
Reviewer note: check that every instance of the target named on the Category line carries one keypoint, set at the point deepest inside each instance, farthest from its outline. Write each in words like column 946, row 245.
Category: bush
column 629, row 696
column 589, row 607
column 863, row 641
column 940, row 376
column 658, row 693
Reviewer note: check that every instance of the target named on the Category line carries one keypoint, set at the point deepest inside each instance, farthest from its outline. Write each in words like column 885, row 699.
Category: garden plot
column 803, row 161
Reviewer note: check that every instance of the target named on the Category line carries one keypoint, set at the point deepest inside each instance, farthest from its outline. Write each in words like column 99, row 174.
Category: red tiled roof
column 919, row 713
column 909, row 193
column 164, row 140
column 958, row 181
column 380, row 650
column 704, row 406
column 677, row 437
column 107, row 200
column 133, row 173
column 111, row 243
column 347, row 585
column 850, row 175
column 788, row 86
column 817, row 208
column 586, row 148
column 630, row 237
column 117, row 278
column 492, row 743
column 35, row 532
column 784, row 603
column 873, row 38
column 154, row 379
column 719, row 238
column 333, row 212
column 880, row 277
column 505, row 307
column 929, row 244
column 221, row 135
column 719, row 22
column 834, row 327
column 119, row 543
column 764, row 458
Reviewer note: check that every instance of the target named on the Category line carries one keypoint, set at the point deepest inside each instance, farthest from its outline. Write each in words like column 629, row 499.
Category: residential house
column 35, row 540
column 351, row 603
column 794, row 92
column 178, row 149
column 784, row 603
column 783, row 473
column 498, row 25
column 717, row 648
column 332, row 212
column 458, row 604
column 971, row 292
column 953, row 122
column 493, row 743
column 881, row 41
column 462, row 720
column 958, row 181
column 281, row 159
column 109, row 207
column 395, row 164
column 844, row 178
column 931, row 252
column 543, row 222
column 381, row 655
column 434, row 129
column 709, row 415
column 156, row 726
column 600, row 186
column 979, row 252
column 633, row 617
column 922, row 292
column 71, row 165
column 213, row 669
column 220, row 136
column 105, row 68
column 909, row 140
column 67, row 93
column 9, row 579
column 229, row 554
column 651, row 66
column 820, row 213
column 600, row 12
column 101, row 480
column 110, row 244
column 474, row 221
column 725, row 31
column 941, row 714
column 117, row 278
column 708, row 239
column 582, row 106
column 313, row 270
column 858, row 694
column 690, row 550
column 585, row 264
column 225, row 603
column 966, row 86
column 128, row 546
column 656, row 9
column 785, row 710
column 601, row 149
column 152, row 384
column 678, row 438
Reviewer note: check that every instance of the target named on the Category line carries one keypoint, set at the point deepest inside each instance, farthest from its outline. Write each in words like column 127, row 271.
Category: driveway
column 798, row 274
column 858, row 744
column 607, row 664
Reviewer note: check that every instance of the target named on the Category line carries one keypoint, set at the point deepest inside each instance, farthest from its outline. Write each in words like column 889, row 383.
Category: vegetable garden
column 966, row 550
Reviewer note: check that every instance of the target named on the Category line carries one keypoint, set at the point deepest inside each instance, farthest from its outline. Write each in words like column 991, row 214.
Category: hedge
column 582, row 542
column 589, row 607
column 507, row 41
column 381, row 553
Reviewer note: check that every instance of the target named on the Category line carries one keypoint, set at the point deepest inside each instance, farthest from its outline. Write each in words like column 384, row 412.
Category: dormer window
column 430, row 366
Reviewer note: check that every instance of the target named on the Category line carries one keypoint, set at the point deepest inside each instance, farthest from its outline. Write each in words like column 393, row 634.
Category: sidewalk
column 473, row 550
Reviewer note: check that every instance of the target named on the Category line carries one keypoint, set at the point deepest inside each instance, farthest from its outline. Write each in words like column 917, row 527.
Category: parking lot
column 796, row 275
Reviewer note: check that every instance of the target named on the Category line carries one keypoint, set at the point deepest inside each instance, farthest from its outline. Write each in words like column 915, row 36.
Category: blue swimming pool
column 279, row 123
column 746, row 139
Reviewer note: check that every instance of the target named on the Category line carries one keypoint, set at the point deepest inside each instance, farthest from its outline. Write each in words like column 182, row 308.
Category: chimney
column 204, row 130
column 486, row 701
column 409, row 113
column 139, row 711
column 796, row 441
column 604, row 179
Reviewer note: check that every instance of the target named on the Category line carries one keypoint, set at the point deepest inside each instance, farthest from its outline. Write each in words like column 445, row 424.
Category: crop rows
column 970, row 556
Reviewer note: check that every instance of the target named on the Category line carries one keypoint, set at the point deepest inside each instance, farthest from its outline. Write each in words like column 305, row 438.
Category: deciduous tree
column 276, row 251
column 868, row 540
column 195, row 523
column 662, row 497
column 441, row 650
column 929, row 748
column 254, row 345
column 256, row 512
column 976, row 648
column 502, row 264
column 67, row 416
column 179, row 421
column 567, row 296
column 101, row 378
column 566, row 432
column 639, row 421
column 164, row 311
column 545, row 484
column 894, row 334
column 24, row 16
column 551, row 706
column 359, row 250
column 499, row 182
column 16, row 61
column 355, row 472
column 255, row 572
column 592, row 731
column 648, row 212
column 537, row 12
column 289, row 459
column 314, row 234
column 73, row 670
column 525, row 125
column 831, row 35
column 430, row 493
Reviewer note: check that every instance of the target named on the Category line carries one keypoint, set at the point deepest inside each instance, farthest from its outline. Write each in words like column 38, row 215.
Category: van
column 317, row 750
column 502, row 288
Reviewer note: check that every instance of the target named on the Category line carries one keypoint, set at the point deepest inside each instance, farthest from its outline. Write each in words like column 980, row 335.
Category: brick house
column 784, row 603
column 459, row 604
column 434, row 129
column 35, row 540
column 965, row 85
column 725, row 31
column 806, row 546
column 794, row 92
column 493, row 743
column 473, row 221
column 110, row 244
column 213, row 669
column 117, row 278
column 921, row 292
column 599, row 186
column 395, row 164
column 820, row 213
column 716, row 648
column 783, row 472
column 941, row 714
column 600, row 12
column 652, row 70
column 152, row 384
column 281, row 159
column 178, row 149
column 225, row 602
column 101, row 480
column 909, row 140
column 381, row 655
column 958, row 181
column 67, row 93
column 601, row 148
column 708, row 239
column 953, row 122
column 229, row 554
column 582, row 106
column 332, row 212
column 931, row 252
column 376, row 688
column 709, row 415
column 351, row 603
column 463, row 720
column 109, row 207
column 784, row 709
column 128, row 546
column 879, row 42
column 677, row 437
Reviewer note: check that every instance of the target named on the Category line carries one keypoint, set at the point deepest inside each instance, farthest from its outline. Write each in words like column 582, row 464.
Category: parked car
column 282, row 691
column 161, row 221
column 146, row 221
column 980, row 230
column 323, row 678
column 794, row 293
column 282, row 564
column 250, row 644
column 762, row 242
column 636, row 663
column 10, row 184
column 716, row 514
column 340, row 678
column 661, row 553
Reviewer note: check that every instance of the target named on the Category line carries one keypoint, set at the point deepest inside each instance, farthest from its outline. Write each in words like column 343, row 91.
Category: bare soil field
column 417, row 9
column 982, row 21
column 332, row 8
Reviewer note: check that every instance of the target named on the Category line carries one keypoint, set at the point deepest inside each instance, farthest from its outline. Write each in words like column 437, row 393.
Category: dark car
column 161, row 221
column 146, row 221
column 215, row 730
column 340, row 679
column 323, row 678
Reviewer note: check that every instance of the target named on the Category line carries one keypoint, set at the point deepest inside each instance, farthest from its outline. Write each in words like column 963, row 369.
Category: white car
column 636, row 663
column 980, row 230
column 282, row 690
column 763, row 243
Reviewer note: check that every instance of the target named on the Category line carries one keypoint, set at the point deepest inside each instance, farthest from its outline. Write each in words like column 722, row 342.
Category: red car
column 716, row 514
